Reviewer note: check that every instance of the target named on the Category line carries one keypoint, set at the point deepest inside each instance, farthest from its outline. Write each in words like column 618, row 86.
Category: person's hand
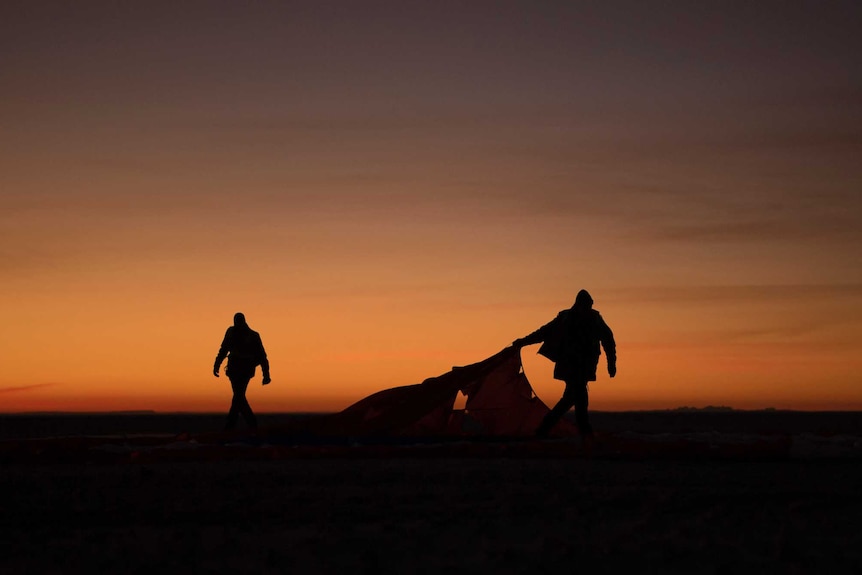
column 612, row 369
column 215, row 371
column 266, row 380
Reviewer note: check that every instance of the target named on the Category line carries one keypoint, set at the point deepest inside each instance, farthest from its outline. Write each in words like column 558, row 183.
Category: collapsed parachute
column 500, row 402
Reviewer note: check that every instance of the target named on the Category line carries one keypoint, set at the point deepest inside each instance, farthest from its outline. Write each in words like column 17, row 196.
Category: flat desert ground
column 408, row 513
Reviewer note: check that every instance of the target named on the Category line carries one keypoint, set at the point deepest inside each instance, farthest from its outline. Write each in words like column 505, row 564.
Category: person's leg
column 581, row 399
column 246, row 412
column 552, row 417
column 239, row 404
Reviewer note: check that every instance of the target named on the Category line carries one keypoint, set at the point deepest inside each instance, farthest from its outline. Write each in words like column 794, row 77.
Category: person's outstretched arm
column 537, row 336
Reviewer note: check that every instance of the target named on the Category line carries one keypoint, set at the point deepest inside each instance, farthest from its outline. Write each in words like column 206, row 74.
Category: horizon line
column 680, row 409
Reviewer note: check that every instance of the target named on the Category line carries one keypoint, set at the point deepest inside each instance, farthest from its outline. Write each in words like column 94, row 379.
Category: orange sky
column 392, row 189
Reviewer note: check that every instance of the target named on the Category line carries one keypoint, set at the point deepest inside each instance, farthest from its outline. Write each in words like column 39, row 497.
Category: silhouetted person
column 244, row 351
column 571, row 341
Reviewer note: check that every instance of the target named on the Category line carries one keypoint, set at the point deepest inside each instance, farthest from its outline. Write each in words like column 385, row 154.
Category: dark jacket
column 572, row 340
column 244, row 350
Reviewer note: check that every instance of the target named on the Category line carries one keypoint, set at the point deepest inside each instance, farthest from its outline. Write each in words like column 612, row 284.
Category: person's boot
column 230, row 422
column 543, row 430
column 589, row 443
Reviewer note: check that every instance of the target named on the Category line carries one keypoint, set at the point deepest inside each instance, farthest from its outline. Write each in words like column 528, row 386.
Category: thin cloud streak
column 753, row 231
column 732, row 294
column 25, row 388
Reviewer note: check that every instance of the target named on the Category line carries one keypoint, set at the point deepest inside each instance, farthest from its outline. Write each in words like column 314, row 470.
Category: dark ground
column 647, row 422
column 432, row 516
column 442, row 514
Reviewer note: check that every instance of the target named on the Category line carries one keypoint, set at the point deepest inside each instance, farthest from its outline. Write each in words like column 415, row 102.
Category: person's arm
column 537, row 336
column 264, row 362
column 222, row 352
column 609, row 345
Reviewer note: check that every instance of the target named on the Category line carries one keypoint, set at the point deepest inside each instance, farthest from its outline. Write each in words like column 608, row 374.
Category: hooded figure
column 244, row 351
column 573, row 341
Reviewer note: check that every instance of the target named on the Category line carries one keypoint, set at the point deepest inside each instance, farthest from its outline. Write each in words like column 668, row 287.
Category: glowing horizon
column 390, row 190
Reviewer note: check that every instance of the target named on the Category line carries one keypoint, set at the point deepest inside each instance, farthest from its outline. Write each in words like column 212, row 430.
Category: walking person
column 244, row 351
column 572, row 341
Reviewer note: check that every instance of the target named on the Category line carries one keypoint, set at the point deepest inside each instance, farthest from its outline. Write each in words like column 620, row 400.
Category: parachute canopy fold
column 500, row 402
